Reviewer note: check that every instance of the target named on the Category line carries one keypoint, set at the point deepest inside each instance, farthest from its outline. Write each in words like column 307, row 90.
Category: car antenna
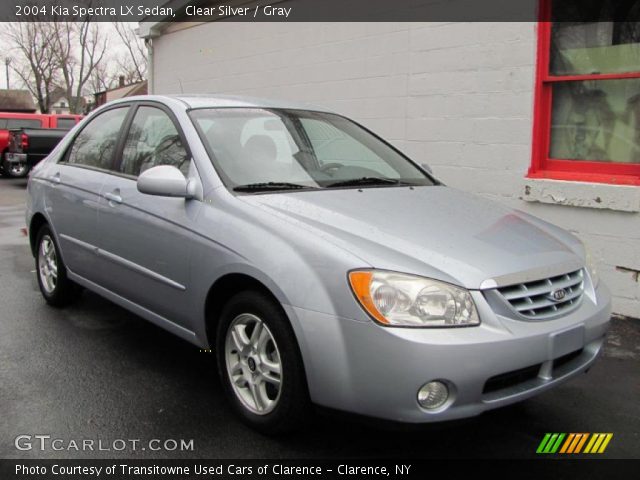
column 180, row 82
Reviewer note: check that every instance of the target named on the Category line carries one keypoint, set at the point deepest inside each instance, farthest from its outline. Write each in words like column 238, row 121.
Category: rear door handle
column 113, row 197
column 56, row 178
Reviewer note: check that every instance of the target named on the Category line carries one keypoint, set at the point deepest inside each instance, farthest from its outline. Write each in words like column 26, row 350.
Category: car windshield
column 256, row 149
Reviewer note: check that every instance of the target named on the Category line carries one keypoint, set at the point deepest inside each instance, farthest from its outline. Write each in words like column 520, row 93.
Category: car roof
column 194, row 101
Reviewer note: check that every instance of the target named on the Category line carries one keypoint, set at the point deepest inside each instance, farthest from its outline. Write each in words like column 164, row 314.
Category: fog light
column 433, row 395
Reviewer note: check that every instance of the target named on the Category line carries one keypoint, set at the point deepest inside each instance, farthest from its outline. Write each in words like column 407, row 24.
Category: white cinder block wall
column 456, row 95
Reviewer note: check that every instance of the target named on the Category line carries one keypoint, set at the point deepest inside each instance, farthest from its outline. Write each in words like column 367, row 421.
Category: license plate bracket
column 16, row 157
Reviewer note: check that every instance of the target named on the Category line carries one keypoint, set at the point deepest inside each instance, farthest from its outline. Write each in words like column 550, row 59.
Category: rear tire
column 55, row 286
column 260, row 364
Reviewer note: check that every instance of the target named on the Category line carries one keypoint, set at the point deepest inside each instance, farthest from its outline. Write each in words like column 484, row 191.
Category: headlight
column 591, row 266
column 397, row 299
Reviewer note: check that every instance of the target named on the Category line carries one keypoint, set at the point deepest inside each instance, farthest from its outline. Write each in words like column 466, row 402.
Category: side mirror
column 165, row 181
column 427, row 167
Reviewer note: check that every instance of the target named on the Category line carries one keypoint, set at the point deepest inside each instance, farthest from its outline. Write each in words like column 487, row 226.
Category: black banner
column 129, row 469
column 318, row 10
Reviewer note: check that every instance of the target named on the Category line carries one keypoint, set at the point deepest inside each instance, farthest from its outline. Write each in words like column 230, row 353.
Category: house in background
column 541, row 117
column 60, row 103
column 122, row 91
column 16, row 101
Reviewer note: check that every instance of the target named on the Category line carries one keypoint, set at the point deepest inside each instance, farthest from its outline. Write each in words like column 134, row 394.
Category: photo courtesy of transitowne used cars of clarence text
column 318, row 262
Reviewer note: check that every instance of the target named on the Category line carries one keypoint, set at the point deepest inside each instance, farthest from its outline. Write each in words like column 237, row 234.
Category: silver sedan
column 318, row 262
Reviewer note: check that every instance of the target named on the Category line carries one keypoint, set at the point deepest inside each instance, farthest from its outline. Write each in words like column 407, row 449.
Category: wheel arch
column 36, row 223
column 225, row 287
column 229, row 284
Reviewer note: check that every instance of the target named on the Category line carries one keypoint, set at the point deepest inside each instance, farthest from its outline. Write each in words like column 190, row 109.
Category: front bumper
column 361, row 367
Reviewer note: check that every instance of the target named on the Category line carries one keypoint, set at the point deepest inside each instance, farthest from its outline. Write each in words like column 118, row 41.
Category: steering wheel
column 327, row 167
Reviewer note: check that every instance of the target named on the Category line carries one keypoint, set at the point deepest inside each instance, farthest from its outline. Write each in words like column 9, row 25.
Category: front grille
column 536, row 300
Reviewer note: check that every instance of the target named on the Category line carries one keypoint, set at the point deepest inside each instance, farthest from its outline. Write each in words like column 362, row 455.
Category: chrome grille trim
column 535, row 300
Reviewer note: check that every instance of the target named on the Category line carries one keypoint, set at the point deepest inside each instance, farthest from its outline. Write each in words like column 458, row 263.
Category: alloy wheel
column 48, row 264
column 253, row 363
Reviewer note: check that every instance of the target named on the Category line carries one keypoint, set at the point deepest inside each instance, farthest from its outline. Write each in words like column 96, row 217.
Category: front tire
column 260, row 364
column 55, row 287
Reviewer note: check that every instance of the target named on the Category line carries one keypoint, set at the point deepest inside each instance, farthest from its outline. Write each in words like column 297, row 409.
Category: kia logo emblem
column 558, row 295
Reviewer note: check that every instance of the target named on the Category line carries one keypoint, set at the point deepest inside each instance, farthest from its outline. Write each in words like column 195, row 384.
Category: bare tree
column 134, row 65
column 36, row 62
column 100, row 79
column 80, row 49
column 72, row 58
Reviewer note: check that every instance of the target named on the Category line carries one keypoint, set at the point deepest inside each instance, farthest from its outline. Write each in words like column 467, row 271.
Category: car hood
column 435, row 231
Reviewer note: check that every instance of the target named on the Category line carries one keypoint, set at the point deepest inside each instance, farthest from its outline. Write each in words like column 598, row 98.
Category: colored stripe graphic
column 543, row 443
column 567, row 442
column 605, row 443
column 550, row 443
column 596, row 445
column 573, row 443
column 598, row 442
column 581, row 443
column 591, row 442
column 555, row 447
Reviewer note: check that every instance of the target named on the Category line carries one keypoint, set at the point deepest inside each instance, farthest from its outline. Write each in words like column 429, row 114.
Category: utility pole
column 7, row 62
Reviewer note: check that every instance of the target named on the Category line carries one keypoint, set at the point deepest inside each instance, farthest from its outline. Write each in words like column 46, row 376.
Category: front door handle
column 56, row 178
column 113, row 197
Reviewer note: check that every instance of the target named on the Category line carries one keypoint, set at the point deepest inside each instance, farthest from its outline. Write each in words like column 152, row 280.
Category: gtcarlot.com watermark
column 47, row 442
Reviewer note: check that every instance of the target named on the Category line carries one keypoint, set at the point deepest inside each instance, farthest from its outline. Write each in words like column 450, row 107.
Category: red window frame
column 542, row 166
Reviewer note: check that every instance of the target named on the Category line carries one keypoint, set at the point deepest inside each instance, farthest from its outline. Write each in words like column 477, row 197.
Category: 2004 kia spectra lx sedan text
column 319, row 263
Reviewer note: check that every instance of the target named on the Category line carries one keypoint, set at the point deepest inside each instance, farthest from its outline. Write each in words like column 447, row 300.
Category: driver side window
column 152, row 140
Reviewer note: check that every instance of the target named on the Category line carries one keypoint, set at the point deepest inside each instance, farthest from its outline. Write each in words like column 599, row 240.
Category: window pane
column 96, row 143
column 66, row 123
column 16, row 123
column 312, row 149
column 152, row 140
column 597, row 120
column 603, row 46
column 253, row 146
column 332, row 145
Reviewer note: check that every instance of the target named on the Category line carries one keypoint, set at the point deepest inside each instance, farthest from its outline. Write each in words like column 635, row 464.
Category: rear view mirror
column 165, row 181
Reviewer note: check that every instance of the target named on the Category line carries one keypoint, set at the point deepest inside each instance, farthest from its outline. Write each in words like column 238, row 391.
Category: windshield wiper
column 355, row 182
column 266, row 186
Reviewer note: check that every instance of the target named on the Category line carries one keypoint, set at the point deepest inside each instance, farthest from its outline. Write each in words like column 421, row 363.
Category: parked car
column 318, row 262
column 15, row 121
column 28, row 146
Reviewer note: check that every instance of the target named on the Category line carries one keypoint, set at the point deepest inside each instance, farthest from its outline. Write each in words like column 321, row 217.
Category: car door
column 75, row 185
column 145, row 241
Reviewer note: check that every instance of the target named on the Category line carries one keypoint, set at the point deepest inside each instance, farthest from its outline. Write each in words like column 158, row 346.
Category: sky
column 115, row 48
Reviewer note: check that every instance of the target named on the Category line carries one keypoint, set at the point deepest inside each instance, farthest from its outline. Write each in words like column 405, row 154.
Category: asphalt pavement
column 95, row 371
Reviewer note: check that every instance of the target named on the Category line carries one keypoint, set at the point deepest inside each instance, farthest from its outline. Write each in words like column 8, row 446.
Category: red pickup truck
column 13, row 121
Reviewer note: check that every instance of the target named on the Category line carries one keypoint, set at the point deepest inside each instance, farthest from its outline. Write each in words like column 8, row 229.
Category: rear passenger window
column 95, row 144
column 153, row 140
